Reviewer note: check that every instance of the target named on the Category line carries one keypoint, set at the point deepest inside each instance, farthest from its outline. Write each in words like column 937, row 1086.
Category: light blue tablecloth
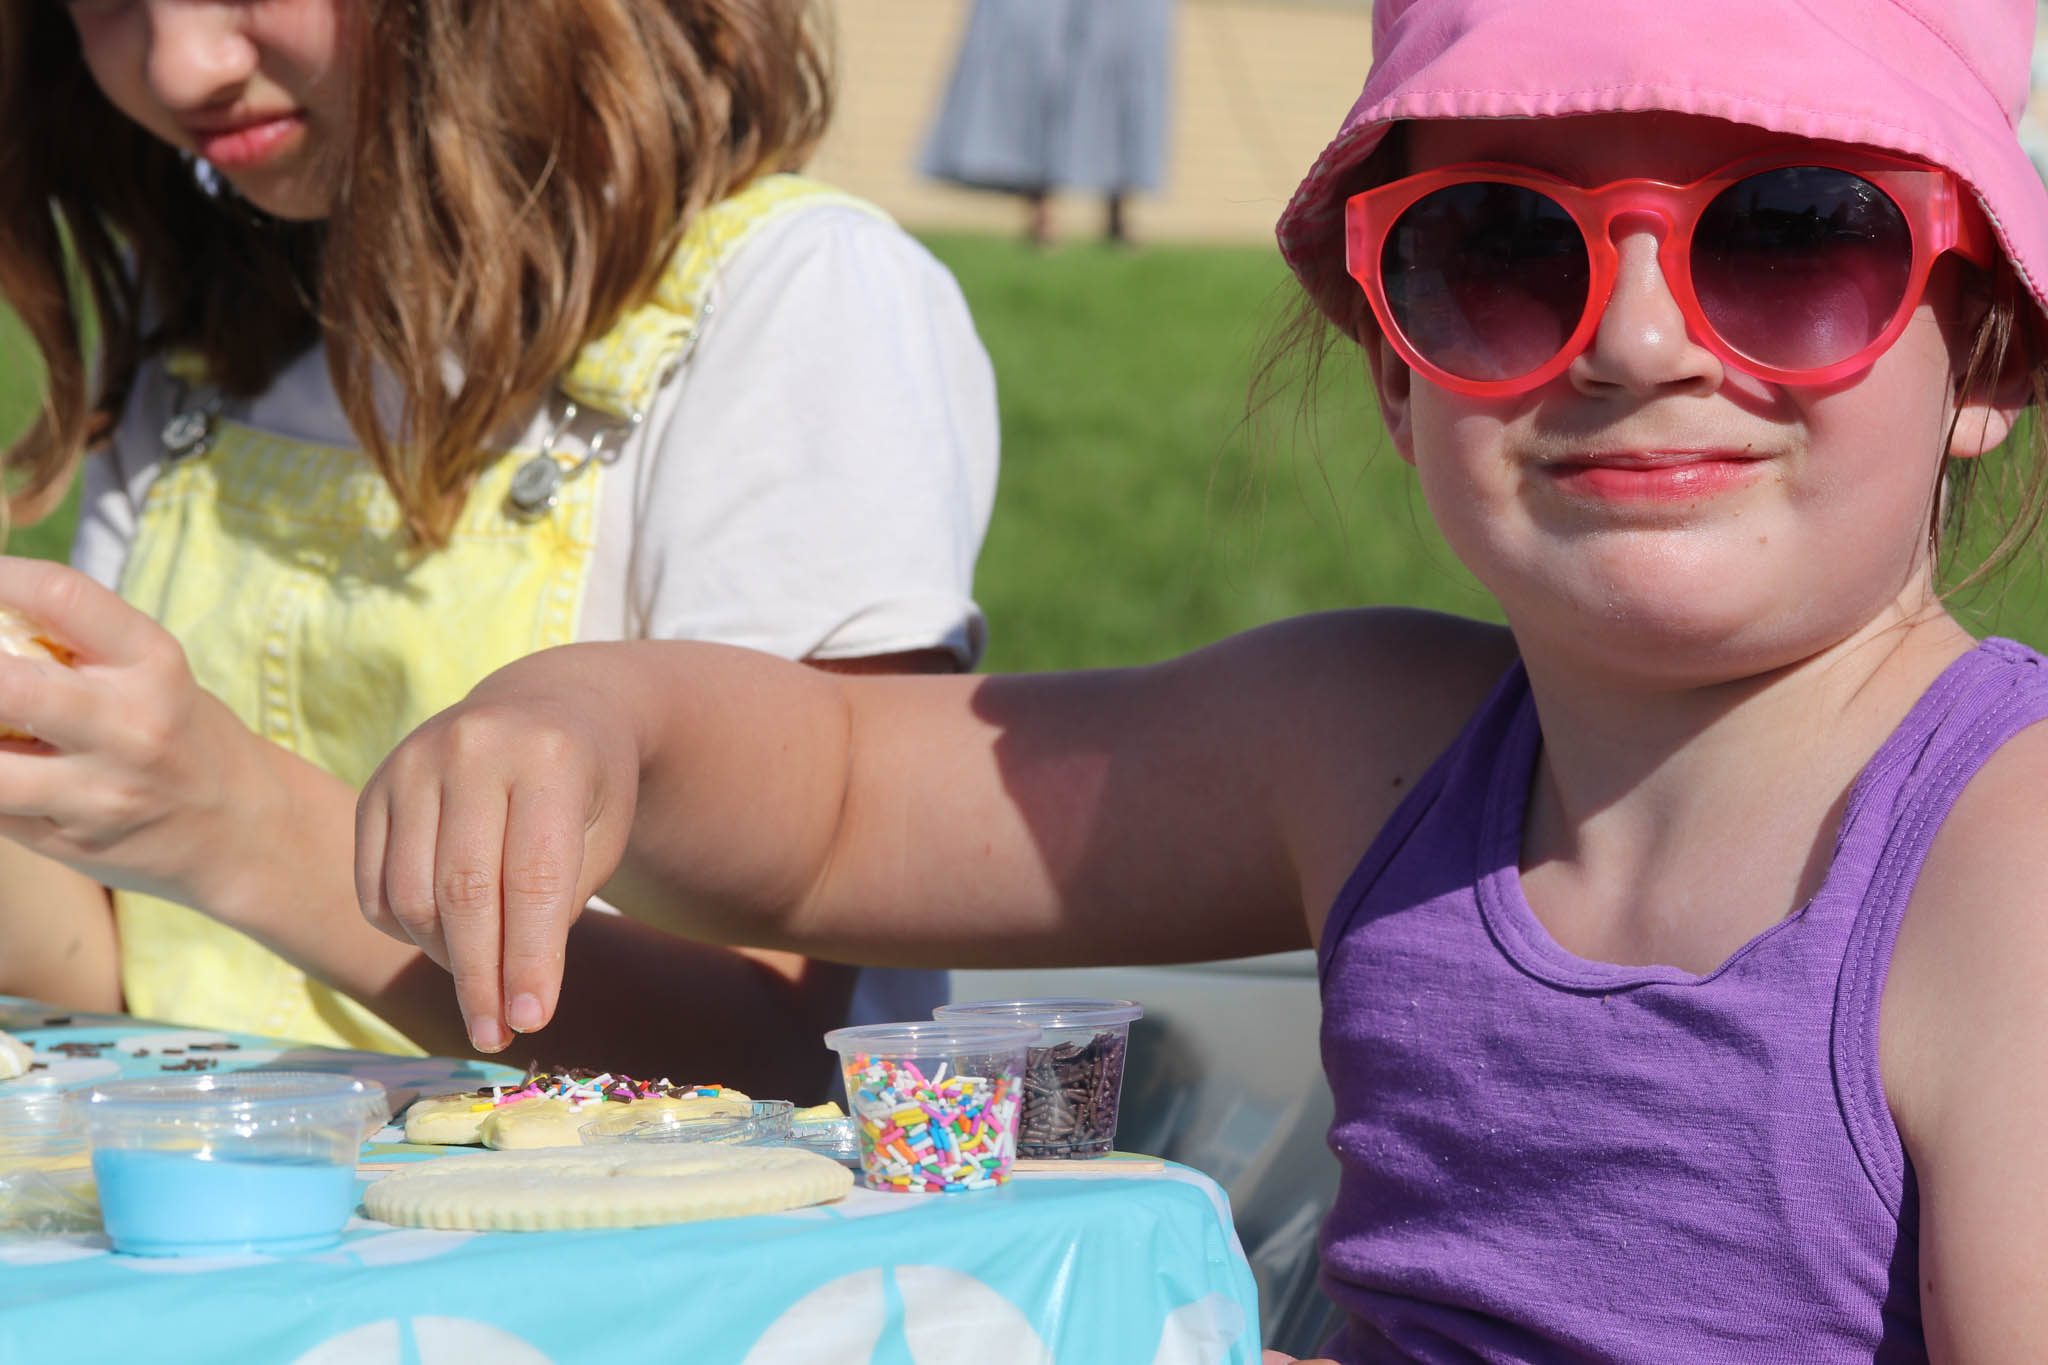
column 1112, row 1262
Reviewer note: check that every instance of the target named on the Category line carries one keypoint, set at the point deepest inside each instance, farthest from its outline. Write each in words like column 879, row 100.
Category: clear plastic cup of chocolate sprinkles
column 935, row 1105
column 1074, row 1076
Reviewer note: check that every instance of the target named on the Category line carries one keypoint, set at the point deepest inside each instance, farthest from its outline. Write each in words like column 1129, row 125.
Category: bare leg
column 1117, row 230
column 1038, row 220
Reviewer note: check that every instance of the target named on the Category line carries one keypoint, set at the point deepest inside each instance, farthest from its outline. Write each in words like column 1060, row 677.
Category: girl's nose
column 1642, row 344
column 199, row 53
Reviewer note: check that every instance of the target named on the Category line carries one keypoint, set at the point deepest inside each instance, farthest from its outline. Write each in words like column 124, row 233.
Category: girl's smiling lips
column 247, row 141
column 1653, row 475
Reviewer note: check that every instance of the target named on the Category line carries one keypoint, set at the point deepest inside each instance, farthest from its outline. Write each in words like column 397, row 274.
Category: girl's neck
column 1671, row 825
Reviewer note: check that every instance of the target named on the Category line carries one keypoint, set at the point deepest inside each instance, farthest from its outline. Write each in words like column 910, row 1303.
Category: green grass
column 1130, row 520
column 20, row 383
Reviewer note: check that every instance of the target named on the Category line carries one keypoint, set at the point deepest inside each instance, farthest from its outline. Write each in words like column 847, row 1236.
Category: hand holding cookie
column 141, row 778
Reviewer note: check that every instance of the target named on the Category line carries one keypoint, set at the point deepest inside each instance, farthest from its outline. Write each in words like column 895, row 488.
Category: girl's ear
column 1985, row 416
column 1393, row 383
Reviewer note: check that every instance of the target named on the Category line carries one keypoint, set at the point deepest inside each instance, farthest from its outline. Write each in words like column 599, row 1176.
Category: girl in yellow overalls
column 429, row 335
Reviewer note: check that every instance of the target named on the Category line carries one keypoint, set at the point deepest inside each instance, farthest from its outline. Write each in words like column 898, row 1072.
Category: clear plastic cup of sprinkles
column 216, row 1165
column 934, row 1104
column 1074, row 1077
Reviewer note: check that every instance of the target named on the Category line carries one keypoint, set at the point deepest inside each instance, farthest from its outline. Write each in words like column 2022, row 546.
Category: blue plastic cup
column 219, row 1165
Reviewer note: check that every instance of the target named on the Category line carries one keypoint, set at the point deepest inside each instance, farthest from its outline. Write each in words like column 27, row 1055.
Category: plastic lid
column 766, row 1121
column 38, row 1124
column 1054, row 1012
column 242, row 1098
column 932, row 1037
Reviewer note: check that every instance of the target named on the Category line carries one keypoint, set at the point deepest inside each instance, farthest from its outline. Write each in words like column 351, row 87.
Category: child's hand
column 484, row 833
column 133, row 773
column 1282, row 1358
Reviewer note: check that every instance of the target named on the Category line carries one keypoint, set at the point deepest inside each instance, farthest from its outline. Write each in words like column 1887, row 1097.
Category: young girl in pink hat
column 1682, row 943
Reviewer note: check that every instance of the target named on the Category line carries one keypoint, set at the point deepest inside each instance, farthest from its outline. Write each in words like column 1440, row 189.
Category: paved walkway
column 1260, row 86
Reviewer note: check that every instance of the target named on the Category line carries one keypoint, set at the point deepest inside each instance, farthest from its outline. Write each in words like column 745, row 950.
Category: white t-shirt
column 814, row 482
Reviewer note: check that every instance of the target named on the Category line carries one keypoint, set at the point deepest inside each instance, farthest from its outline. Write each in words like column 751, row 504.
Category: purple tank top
column 1546, row 1158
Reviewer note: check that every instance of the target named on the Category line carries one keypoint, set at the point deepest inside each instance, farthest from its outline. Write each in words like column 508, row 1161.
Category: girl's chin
column 293, row 204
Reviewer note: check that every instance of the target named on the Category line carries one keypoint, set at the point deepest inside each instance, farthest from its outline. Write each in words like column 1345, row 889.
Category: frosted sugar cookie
column 15, row 1057
column 550, row 1110
column 618, row 1186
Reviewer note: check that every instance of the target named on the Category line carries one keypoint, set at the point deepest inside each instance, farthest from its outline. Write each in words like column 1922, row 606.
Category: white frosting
column 15, row 1057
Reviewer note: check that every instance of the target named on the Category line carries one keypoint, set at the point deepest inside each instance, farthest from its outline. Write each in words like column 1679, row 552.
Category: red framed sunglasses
column 1490, row 279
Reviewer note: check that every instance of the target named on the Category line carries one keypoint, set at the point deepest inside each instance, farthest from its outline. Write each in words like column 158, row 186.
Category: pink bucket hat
column 1941, row 80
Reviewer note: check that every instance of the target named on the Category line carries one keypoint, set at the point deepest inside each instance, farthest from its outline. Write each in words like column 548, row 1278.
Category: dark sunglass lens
column 1803, row 267
column 1486, row 281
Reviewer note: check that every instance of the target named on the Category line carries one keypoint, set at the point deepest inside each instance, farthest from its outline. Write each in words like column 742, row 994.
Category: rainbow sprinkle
column 943, row 1133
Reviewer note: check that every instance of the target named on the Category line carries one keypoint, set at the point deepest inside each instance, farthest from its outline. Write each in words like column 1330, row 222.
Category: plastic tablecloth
column 1116, row 1261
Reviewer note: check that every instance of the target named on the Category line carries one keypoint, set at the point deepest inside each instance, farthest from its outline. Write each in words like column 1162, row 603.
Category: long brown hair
column 594, row 131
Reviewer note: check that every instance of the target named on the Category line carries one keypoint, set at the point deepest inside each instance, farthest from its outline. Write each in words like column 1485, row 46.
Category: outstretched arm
column 1206, row 807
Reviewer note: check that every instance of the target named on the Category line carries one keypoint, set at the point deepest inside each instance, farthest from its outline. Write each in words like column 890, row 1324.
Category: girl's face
column 259, row 89
column 1658, row 510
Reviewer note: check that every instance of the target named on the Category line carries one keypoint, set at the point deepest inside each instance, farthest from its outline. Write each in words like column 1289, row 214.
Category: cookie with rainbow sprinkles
column 549, row 1109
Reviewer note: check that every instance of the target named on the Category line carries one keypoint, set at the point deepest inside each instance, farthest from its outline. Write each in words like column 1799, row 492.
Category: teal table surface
column 1117, row 1261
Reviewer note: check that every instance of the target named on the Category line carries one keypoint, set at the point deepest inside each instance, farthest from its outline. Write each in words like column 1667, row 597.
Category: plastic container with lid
column 45, row 1171
column 211, row 1165
column 1074, row 1077
column 768, row 1122
column 934, row 1103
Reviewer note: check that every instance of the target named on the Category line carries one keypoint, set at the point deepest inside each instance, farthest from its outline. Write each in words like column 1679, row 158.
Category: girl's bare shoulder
column 1340, row 714
column 1405, row 675
column 1984, row 886
column 1972, row 952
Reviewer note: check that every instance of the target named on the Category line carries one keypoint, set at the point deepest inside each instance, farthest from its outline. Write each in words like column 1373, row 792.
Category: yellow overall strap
column 621, row 371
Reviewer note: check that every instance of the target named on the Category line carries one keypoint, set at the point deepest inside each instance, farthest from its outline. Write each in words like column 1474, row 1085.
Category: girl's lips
column 1655, row 478
column 246, row 146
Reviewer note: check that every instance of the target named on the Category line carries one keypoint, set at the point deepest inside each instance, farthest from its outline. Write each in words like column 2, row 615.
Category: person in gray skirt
column 1053, row 95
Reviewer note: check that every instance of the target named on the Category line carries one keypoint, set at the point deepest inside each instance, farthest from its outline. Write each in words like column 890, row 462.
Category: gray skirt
column 1056, row 94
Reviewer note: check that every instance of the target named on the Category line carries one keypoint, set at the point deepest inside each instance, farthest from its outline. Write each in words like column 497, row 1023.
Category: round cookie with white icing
column 16, row 1057
column 617, row 1186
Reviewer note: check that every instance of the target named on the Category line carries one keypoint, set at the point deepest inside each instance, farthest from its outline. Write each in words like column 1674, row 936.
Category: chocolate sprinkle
column 1070, row 1098
column 79, row 1049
